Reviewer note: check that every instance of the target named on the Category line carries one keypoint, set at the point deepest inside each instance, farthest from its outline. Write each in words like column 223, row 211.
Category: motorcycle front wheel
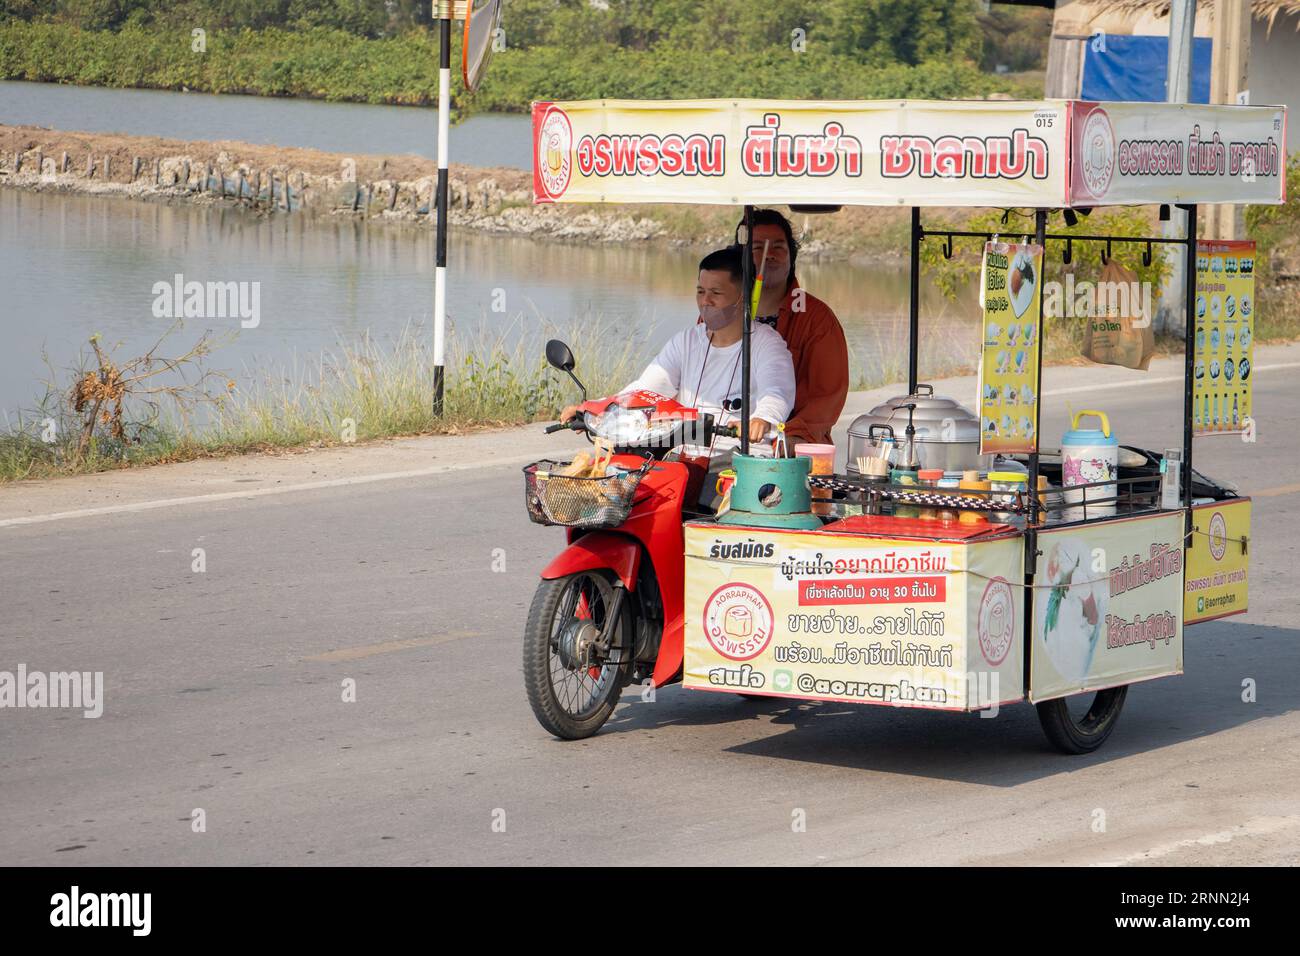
column 572, row 676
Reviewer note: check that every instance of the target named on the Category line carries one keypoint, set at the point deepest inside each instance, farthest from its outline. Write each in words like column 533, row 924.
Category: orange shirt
column 816, row 342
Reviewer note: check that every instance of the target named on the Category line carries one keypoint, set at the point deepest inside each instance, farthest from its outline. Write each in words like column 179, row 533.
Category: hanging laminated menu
column 1223, row 356
column 1012, row 314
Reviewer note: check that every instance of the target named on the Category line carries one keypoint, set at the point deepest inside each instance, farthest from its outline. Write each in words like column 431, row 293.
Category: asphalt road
column 224, row 693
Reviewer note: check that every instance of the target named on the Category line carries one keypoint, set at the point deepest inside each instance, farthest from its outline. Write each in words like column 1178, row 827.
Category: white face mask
column 716, row 318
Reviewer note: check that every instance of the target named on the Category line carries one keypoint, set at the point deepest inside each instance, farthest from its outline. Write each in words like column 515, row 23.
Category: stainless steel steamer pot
column 947, row 433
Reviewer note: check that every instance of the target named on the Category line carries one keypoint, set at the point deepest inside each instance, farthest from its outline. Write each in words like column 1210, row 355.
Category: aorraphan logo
column 1097, row 152
column 554, row 152
column 75, row 908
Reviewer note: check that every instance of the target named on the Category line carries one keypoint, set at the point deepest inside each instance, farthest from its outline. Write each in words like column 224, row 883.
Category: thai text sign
column 761, row 151
column 1135, row 153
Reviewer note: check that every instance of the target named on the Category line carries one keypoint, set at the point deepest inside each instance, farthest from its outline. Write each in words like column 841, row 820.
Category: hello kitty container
column 1089, row 455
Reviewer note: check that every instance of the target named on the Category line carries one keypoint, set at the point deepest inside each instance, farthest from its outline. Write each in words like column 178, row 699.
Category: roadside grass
column 367, row 389
column 361, row 390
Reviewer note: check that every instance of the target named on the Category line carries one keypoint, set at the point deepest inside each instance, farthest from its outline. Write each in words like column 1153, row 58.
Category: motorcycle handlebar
column 561, row 426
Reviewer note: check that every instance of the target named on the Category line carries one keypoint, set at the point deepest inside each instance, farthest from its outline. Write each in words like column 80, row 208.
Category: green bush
column 328, row 63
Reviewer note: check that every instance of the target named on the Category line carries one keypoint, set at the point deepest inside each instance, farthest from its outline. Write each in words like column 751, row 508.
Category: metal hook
column 1006, row 215
column 1068, row 255
column 1105, row 256
column 947, row 247
column 1146, row 256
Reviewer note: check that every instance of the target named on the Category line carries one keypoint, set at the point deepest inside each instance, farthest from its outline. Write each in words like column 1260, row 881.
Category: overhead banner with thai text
column 731, row 152
column 1137, row 153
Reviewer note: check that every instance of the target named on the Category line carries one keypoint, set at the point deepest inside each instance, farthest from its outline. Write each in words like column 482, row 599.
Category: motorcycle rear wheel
column 572, row 683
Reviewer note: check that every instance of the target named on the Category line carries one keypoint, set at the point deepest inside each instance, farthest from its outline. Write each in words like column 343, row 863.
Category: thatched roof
column 1267, row 10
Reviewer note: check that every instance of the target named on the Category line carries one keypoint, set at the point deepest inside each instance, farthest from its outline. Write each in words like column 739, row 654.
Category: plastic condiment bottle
column 1043, row 487
column 971, row 481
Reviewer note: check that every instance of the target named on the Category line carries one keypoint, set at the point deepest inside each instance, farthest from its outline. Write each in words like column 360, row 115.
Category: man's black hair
column 770, row 217
column 730, row 260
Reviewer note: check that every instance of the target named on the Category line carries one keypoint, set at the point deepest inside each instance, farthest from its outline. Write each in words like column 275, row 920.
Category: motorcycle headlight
column 622, row 426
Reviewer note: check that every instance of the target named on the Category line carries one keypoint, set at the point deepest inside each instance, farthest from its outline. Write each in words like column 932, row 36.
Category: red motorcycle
column 608, row 610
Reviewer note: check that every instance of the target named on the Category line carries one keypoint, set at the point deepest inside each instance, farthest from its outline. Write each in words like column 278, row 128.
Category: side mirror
column 559, row 355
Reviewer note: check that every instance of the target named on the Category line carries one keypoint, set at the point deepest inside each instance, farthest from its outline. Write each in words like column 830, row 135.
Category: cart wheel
column 572, row 682
column 1081, row 732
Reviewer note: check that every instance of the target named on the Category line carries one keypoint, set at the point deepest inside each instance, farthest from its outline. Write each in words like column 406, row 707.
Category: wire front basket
column 556, row 499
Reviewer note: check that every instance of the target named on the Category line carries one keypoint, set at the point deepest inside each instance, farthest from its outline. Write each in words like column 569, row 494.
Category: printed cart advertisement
column 870, row 621
column 1218, row 561
column 781, row 151
column 1225, row 336
column 1108, row 605
column 1126, row 153
column 1009, row 361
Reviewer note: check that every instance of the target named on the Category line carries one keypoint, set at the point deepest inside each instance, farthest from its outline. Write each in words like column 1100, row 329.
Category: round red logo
column 1218, row 536
column 553, row 153
column 997, row 621
column 1097, row 153
column 738, row 621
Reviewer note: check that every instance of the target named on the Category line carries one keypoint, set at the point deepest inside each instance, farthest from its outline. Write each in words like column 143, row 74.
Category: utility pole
column 1171, row 315
column 443, row 10
column 1229, row 70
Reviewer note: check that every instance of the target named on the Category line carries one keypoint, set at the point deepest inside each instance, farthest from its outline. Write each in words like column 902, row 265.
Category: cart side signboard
column 1218, row 562
column 1136, row 153
column 1008, row 380
column 1108, row 604
column 821, row 616
column 1225, row 337
column 895, row 153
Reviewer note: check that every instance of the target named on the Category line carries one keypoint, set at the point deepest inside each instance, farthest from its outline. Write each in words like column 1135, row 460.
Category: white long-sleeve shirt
column 704, row 376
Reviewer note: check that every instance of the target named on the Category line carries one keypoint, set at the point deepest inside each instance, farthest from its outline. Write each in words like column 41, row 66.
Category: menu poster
column 1225, row 336
column 1008, row 384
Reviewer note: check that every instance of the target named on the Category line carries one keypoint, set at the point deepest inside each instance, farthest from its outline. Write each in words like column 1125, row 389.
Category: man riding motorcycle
column 700, row 367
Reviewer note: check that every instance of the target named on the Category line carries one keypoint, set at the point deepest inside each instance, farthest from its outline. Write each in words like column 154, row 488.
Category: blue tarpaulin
column 1129, row 68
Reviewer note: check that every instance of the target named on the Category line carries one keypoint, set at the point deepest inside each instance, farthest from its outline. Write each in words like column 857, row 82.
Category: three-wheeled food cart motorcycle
column 966, row 582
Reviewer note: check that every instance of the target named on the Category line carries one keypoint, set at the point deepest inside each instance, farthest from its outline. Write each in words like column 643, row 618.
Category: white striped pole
column 440, row 261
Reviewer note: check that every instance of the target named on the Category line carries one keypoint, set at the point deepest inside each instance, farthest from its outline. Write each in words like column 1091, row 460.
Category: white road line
column 1103, row 386
column 262, row 492
column 1260, row 826
column 1162, row 380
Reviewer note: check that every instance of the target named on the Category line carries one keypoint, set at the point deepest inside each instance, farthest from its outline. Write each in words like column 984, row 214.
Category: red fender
column 599, row 549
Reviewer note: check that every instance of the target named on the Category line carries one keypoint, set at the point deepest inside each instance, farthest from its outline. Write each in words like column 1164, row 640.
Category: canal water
column 72, row 266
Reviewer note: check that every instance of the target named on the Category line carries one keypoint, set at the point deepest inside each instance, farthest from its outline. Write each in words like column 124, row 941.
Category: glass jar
column 929, row 479
column 1012, row 482
column 907, row 478
column 949, row 486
